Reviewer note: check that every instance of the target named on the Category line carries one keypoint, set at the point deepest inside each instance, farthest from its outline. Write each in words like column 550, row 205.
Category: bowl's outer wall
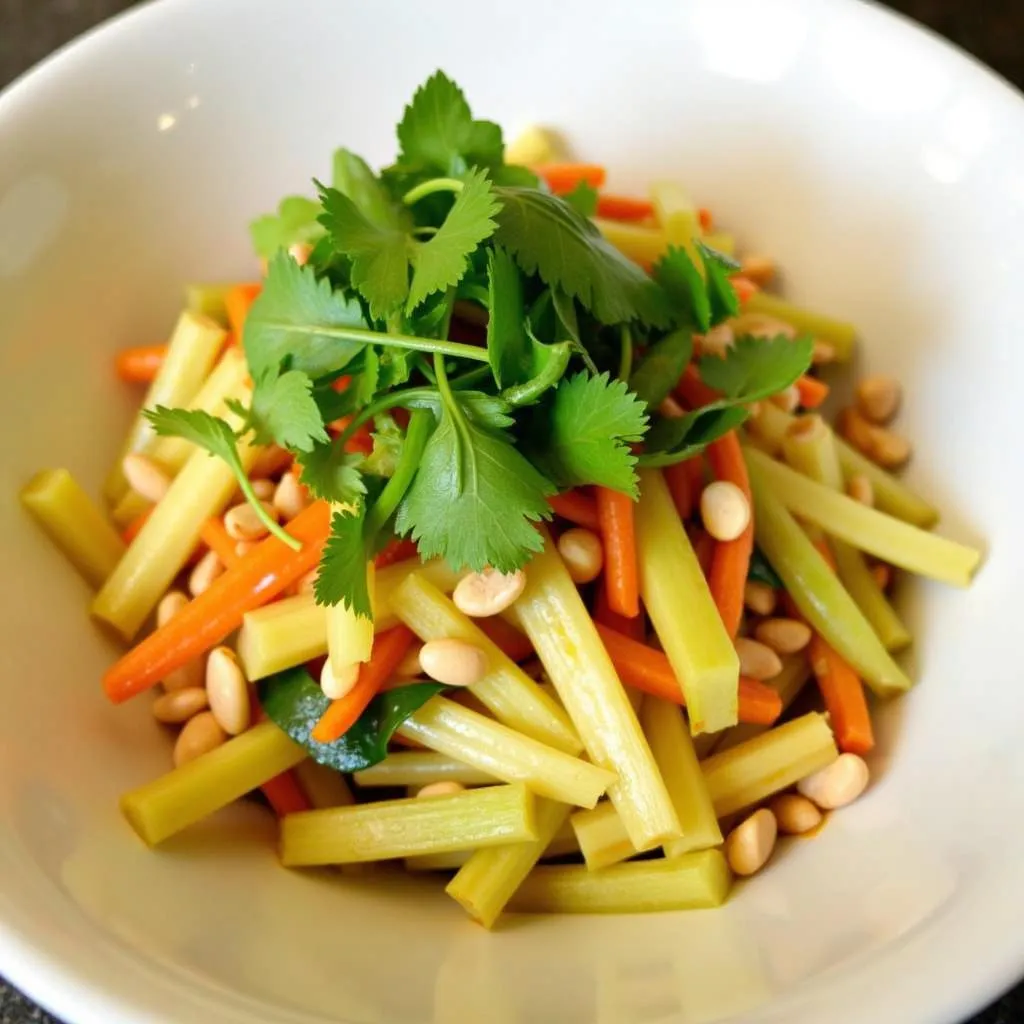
column 885, row 171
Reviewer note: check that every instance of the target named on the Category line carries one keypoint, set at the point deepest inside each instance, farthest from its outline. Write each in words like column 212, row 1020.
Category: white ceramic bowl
column 883, row 168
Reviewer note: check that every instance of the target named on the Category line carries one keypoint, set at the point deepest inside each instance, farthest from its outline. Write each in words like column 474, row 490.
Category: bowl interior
column 886, row 173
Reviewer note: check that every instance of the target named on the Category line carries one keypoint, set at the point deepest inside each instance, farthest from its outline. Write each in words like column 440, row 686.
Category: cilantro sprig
column 491, row 341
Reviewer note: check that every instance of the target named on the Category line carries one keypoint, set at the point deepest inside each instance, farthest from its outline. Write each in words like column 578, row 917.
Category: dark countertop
column 30, row 29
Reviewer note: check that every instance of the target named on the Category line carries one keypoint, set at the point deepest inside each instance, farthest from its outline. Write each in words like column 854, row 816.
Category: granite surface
column 993, row 30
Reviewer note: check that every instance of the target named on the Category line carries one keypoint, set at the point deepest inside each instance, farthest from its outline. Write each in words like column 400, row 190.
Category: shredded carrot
column 237, row 301
column 743, row 287
column 707, row 222
column 398, row 550
column 140, row 365
column 615, row 514
column 843, row 692
column 703, row 547
column 577, row 508
column 563, row 178
column 509, row 640
column 216, row 538
column 635, row 628
column 131, row 531
column 627, row 208
column 265, row 572
column 360, row 442
column 685, row 480
column 646, row 669
column 813, row 392
column 388, row 650
column 285, row 795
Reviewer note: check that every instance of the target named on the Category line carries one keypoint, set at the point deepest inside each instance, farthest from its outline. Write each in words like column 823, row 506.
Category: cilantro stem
column 416, row 437
column 428, row 188
column 553, row 371
column 271, row 524
column 363, row 336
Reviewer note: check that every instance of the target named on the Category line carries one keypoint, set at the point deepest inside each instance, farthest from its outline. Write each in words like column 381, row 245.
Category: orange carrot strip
column 731, row 560
column 812, row 391
column 563, row 178
column 703, row 547
column 216, row 538
column 139, row 365
column 646, row 669
column 623, row 207
column 577, row 508
column 634, row 628
column 509, row 640
column 684, row 481
column 237, row 301
column 285, row 795
column 693, row 391
column 131, row 531
column 265, row 572
column 615, row 514
column 843, row 692
column 707, row 221
column 398, row 550
column 743, row 287
column 388, row 650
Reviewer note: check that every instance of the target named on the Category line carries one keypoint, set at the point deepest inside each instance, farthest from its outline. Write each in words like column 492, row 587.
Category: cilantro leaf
column 437, row 131
column 354, row 179
column 508, row 344
column 754, row 368
column 662, row 365
column 475, row 497
column 761, row 570
column 294, row 222
column 342, row 575
column 387, row 446
column 284, row 412
column 722, row 297
column 674, row 439
column 332, row 473
column 283, row 323
column 583, row 199
column 294, row 702
column 685, row 288
column 440, row 262
column 548, row 237
column 203, row 429
column 582, row 433
column 380, row 253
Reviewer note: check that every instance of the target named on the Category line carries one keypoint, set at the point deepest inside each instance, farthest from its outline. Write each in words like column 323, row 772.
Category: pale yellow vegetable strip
column 813, row 452
column 350, row 636
column 751, row 772
column 491, row 816
column 74, row 523
column 697, row 880
column 683, row 611
column 678, row 217
column 489, row 878
column 796, row 670
column 866, row 528
column 563, row 843
column 642, row 245
column 439, row 861
column 324, row 786
column 420, row 768
column 553, row 615
column 602, row 836
column 208, row 300
column 293, row 631
column 891, row 494
column 227, row 376
column 167, row 539
column 815, row 588
column 165, row 806
column 838, row 333
column 506, row 690
column 502, row 752
column 191, row 351
column 722, row 241
column 670, row 740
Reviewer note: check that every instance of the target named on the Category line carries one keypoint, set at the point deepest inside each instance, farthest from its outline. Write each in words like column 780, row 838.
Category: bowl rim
column 65, row 989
